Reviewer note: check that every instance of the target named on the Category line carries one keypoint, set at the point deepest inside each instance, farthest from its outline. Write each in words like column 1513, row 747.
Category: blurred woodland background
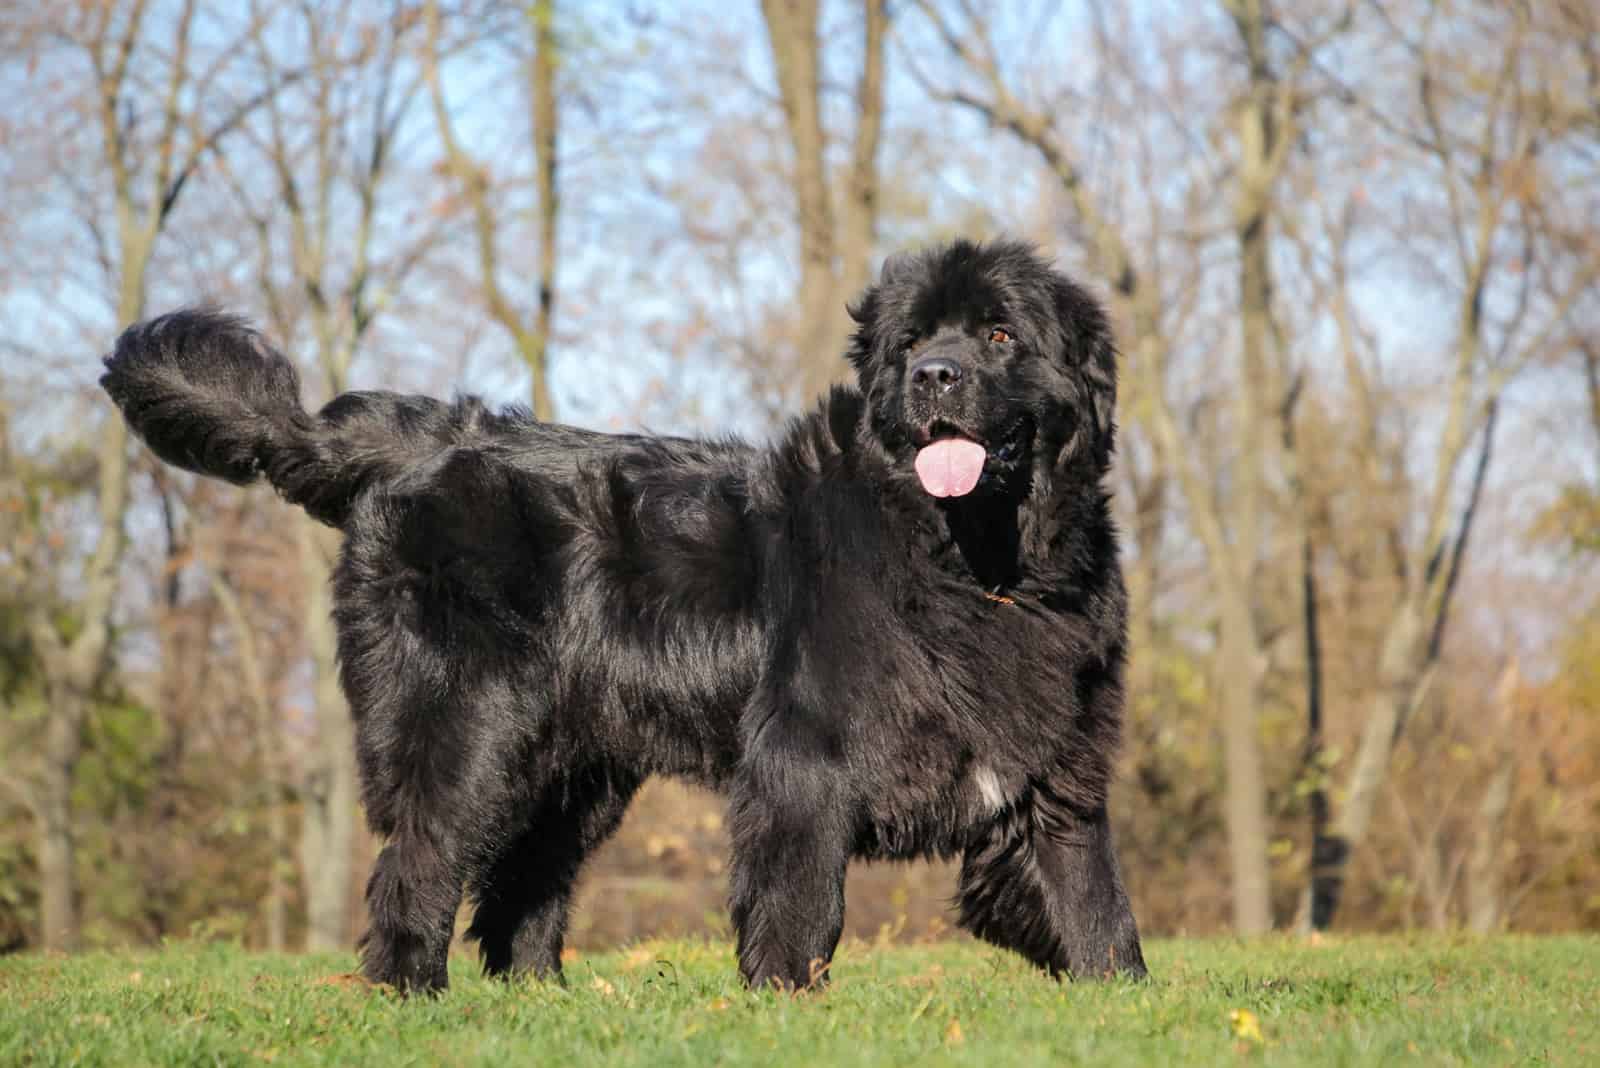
column 1352, row 248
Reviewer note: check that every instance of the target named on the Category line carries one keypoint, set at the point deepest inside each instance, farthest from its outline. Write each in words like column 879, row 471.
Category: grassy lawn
column 1348, row 1001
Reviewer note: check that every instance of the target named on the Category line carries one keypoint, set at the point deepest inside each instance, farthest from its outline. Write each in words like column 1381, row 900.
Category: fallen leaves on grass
column 1246, row 1026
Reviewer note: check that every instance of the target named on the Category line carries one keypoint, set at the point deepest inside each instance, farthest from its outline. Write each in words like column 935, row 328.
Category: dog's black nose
column 936, row 373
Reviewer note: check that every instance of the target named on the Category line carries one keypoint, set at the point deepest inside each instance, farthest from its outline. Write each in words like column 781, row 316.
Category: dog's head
column 980, row 363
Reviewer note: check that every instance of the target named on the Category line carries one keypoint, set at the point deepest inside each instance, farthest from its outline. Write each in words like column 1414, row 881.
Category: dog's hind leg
column 412, row 897
column 1044, row 883
column 523, row 896
column 435, row 784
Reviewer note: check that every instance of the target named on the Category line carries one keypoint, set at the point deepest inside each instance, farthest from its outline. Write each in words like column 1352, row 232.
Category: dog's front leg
column 791, row 845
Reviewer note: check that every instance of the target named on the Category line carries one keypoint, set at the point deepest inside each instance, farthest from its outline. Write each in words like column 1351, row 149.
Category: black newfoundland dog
column 897, row 632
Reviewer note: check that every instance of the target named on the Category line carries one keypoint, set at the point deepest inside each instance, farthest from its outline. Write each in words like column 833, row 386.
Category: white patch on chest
column 989, row 789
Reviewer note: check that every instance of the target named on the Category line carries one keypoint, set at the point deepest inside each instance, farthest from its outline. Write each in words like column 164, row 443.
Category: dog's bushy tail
column 207, row 393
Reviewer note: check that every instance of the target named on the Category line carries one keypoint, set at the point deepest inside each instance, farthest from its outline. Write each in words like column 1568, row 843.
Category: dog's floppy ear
column 1100, row 372
column 864, row 309
column 1092, row 352
column 897, row 265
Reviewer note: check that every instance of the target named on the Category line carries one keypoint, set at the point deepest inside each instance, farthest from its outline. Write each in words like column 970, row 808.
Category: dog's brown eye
column 1000, row 335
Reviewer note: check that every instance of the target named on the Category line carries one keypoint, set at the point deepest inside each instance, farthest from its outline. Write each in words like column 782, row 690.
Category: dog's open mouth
column 951, row 463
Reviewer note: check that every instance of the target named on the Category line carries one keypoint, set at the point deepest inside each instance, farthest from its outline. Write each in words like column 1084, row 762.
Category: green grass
column 1349, row 1001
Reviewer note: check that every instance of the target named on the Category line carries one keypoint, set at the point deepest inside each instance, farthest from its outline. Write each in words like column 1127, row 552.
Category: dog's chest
column 954, row 718
column 987, row 793
column 938, row 811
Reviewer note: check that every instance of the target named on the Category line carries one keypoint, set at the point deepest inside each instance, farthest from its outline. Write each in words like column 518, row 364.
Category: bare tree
column 154, row 137
column 530, row 334
column 1268, row 116
column 1326, row 852
column 1478, row 132
column 837, row 234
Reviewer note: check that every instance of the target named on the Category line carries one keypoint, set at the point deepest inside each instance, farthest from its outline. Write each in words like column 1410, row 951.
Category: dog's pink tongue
column 950, row 468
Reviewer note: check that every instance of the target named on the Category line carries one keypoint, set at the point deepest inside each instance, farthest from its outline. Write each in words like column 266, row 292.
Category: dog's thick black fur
column 533, row 619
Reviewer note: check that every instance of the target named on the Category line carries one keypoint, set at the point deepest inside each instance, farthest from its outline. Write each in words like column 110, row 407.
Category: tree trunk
column 72, row 672
column 1397, row 687
column 1485, row 877
column 1324, row 857
column 835, row 265
column 1246, row 781
column 792, row 30
column 277, row 906
column 546, row 117
column 329, row 794
column 1265, row 132
column 1327, row 850
column 859, row 213
column 267, row 743
column 58, row 882
column 1411, row 650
